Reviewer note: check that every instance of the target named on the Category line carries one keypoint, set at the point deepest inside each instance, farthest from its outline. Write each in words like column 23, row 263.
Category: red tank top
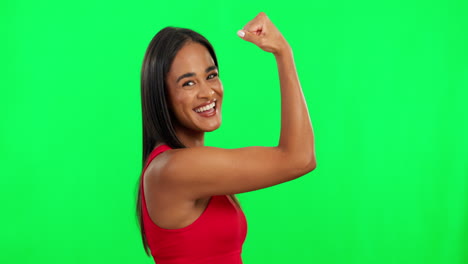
column 215, row 237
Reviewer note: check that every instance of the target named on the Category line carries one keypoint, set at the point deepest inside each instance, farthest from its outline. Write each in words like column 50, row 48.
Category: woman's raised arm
column 204, row 171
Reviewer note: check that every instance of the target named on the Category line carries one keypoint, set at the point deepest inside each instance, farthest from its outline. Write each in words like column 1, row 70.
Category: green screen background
column 386, row 85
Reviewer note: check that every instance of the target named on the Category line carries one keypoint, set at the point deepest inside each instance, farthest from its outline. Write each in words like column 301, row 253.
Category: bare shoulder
column 167, row 207
column 155, row 169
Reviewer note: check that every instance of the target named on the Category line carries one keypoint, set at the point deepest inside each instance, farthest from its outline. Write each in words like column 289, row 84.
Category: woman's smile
column 207, row 109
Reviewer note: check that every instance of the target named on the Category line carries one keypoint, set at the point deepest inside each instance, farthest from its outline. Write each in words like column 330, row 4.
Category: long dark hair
column 156, row 115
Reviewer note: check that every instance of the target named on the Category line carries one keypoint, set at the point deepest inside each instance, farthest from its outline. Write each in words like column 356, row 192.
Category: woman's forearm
column 297, row 137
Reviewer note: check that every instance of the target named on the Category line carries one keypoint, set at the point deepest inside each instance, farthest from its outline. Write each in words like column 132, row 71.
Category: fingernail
column 241, row 33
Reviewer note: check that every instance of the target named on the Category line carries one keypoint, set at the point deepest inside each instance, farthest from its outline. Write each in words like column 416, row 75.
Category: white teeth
column 205, row 108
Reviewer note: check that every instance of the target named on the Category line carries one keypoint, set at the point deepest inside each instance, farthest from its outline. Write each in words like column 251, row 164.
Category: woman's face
column 193, row 88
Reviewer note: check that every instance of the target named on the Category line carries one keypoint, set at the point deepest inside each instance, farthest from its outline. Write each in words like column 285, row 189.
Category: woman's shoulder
column 168, row 162
column 160, row 157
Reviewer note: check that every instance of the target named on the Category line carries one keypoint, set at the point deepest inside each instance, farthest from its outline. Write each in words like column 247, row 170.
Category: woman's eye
column 213, row 74
column 185, row 84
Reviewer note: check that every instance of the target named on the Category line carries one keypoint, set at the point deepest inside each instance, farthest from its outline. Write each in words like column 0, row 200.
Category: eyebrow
column 190, row 74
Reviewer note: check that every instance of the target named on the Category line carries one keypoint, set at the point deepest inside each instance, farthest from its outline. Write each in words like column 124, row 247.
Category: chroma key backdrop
column 386, row 84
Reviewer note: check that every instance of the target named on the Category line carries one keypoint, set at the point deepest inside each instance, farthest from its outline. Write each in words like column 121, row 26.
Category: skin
column 191, row 92
column 180, row 182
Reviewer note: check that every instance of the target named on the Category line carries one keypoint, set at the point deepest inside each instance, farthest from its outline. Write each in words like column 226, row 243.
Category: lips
column 204, row 104
column 208, row 113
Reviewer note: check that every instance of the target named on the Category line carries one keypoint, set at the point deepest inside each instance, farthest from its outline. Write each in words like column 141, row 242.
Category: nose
column 206, row 92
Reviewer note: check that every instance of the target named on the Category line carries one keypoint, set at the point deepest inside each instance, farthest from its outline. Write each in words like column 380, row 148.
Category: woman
column 186, row 205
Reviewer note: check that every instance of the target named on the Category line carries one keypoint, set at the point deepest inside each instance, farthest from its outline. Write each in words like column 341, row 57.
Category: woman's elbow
column 311, row 165
column 308, row 164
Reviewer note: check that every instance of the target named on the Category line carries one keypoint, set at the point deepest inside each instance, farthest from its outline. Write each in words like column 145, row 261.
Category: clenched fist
column 261, row 32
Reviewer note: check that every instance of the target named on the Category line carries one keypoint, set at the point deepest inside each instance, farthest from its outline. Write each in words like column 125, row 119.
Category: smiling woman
column 195, row 89
column 186, row 204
